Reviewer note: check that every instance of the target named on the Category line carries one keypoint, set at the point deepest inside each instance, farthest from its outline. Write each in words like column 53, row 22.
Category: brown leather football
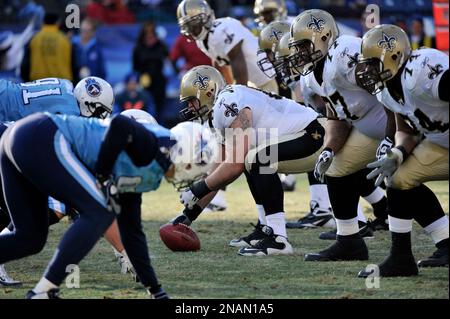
column 179, row 237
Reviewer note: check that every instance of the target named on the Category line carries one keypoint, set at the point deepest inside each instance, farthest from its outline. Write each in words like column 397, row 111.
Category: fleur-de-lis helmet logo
column 387, row 43
column 201, row 82
column 316, row 24
column 275, row 35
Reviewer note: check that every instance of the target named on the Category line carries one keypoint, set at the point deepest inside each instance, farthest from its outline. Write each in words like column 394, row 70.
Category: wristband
column 200, row 189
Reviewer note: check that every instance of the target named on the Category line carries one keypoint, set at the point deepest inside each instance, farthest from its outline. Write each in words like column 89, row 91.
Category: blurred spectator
column 12, row 48
column 400, row 22
column 88, row 51
column 109, row 12
column 418, row 37
column 50, row 54
column 148, row 59
column 187, row 48
column 133, row 97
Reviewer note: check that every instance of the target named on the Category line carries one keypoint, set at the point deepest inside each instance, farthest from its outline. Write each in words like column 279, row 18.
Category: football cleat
column 342, row 249
column 6, row 280
column 271, row 245
column 395, row 265
column 378, row 224
column 364, row 230
column 250, row 239
column 218, row 203
column 316, row 218
column 438, row 259
column 51, row 294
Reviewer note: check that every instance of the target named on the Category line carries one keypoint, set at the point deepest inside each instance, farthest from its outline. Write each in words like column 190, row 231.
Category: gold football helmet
column 195, row 18
column 267, row 11
column 269, row 38
column 198, row 90
column 312, row 33
column 384, row 50
column 283, row 67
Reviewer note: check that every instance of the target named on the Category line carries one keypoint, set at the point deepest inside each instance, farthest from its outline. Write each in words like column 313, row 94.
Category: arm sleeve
column 134, row 239
column 175, row 53
column 125, row 134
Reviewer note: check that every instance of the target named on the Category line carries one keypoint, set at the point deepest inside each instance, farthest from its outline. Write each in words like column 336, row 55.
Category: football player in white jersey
column 274, row 39
column 267, row 11
column 263, row 134
column 413, row 85
column 356, row 124
column 226, row 41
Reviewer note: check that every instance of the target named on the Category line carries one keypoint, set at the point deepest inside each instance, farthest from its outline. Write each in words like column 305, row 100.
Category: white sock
column 44, row 285
column 5, row 231
column 278, row 223
column 261, row 214
column 438, row 229
column 397, row 225
column 346, row 227
column 361, row 216
column 319, row 194
column 375, row 197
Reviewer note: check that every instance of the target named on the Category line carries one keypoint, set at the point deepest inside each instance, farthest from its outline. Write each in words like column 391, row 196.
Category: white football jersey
column 421, row 106
column 225, row 34
column 344, row 97
column 272, row 115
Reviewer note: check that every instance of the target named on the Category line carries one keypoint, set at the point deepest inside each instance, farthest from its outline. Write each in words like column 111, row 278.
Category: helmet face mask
column 96, row 110
column 267, row 11
column 371, row 76
column 304, row 57
column 267, row 16
column 195, row 27
column 198, row 92
column 195, row 18
column 195, row 152
column 267, row 64
column 95, row 97
column 192, row 110
column 384, row 51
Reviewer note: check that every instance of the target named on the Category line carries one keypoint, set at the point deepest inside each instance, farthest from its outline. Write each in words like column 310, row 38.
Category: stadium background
column 118, row 39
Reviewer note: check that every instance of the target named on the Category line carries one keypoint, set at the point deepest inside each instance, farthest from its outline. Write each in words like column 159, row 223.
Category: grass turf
column 216, row 271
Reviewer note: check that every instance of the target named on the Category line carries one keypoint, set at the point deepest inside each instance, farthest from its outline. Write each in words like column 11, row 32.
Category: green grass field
column 216, row 271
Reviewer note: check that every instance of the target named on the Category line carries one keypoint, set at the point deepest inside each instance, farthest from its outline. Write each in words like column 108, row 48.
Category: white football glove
column 323, row 163
column 385, row 144
column 188, row 199
column 386, row 167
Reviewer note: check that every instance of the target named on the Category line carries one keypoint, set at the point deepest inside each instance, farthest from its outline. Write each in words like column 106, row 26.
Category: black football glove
column 181, row 219
column 110, row 191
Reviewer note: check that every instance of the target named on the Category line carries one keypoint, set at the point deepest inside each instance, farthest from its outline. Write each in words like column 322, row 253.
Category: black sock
column 380, row 209
column 344, row 196
column 352, row 236
column 401, row 243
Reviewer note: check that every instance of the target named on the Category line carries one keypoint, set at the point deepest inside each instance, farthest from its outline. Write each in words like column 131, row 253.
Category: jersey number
column 27, row 95
column 428, row 124
column 338, row 100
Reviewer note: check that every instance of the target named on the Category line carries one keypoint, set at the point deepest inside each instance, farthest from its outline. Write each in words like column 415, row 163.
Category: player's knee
column 30, row 243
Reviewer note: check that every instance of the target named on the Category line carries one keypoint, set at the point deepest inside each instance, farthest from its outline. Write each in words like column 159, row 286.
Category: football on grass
column 179, row 237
